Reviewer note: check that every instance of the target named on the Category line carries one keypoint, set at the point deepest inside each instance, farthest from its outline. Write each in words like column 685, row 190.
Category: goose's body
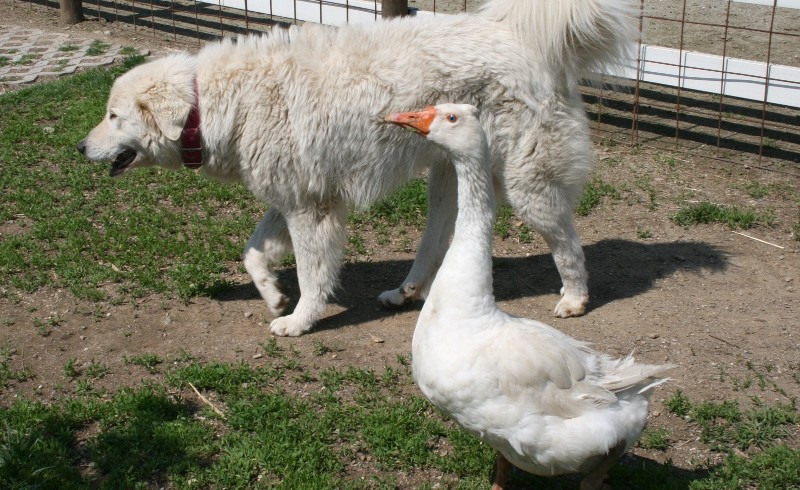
column 546, row 402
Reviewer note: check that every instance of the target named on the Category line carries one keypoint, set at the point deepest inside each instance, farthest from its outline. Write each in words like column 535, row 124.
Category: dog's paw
column 277, row 303
column 289, row 326
column 398, row 297
column 392, row 299
column 570, row 305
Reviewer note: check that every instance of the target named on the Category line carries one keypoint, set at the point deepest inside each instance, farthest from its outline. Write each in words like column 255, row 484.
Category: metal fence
column 719, row 78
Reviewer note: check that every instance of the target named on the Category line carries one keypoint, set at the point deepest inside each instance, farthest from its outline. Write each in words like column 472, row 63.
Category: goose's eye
column 451, row 118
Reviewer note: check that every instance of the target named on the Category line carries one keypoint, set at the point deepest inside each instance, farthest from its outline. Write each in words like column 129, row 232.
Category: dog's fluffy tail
column 577, row 35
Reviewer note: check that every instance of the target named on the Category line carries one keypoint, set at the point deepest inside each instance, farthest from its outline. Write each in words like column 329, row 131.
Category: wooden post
column 394, row 8
column 71, row 11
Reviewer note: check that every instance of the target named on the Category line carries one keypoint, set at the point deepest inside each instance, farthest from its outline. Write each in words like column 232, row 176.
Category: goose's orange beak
column 419, row 121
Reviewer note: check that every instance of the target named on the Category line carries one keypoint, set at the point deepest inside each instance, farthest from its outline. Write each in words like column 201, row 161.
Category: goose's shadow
column 630, row 473
column 618, row 269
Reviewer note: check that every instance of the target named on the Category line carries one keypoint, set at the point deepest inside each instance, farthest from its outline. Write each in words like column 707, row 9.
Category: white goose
column 546, row 402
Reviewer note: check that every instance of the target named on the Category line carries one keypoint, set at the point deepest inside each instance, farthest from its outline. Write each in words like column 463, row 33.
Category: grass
column 97, row 48
column 268, row 434
column 733, row 216
column 148, row 361
column 151, row 231
column 758, row 432
column 9, row 374
column 593, row 194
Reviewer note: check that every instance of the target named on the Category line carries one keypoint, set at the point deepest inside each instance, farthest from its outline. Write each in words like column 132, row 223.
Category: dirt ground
column 722, row 306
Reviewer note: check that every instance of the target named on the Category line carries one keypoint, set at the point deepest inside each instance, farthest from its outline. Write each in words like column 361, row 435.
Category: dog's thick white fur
column 296, row 115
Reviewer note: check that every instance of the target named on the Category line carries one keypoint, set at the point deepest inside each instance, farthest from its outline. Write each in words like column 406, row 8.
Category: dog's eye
column 112, row 116
column 452, row 118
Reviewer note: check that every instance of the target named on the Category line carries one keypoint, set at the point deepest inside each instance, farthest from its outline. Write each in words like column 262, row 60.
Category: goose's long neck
column 465, row 277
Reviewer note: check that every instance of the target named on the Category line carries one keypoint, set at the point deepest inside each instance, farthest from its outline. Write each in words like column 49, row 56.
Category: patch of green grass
column 27, row 59
column 96, row 369
column 128, row 51
column 757, row 432
column 502, row 224
column 643, row 234
column 407, row 206
column 667, row 159
column 150, row 231
column 357, row 245
column 733, row 216
column 149, row 361
column 66, row 48
column 319, row 348
column 776, row 467
column 5, row 61
column 7, row 374
column 724, row 425
column 593, row 195
column 657, row 439
column 756, row 190
column 70, row 370
column 97, row 48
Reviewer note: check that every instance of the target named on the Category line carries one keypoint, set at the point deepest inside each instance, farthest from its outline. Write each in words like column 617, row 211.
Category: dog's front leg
column 318, row 235
column 269, row 243
column 442, row 196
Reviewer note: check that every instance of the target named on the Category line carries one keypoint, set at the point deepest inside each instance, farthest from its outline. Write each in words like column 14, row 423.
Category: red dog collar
column 191, row 137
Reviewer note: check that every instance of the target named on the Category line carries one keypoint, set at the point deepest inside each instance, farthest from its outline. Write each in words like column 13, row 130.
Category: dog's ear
column 164, row 110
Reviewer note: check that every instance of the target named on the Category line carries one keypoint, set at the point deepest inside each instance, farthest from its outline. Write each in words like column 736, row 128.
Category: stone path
column 27, row 54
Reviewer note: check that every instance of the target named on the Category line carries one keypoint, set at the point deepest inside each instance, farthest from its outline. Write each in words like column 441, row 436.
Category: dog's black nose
column 82, row 147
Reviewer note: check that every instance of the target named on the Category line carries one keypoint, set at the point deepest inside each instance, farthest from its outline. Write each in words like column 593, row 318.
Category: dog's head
column 147, row 109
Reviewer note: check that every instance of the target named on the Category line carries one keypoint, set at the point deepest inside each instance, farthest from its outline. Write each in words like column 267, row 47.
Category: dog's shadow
column 618, row 269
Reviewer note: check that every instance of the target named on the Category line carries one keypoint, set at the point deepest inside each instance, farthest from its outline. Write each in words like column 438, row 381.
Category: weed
column 679, row 404
column 407, row 206
column 289, row 260
column 42, row 327
column 271, row 348
column 148, row 361
column 357, row 245
column 70, row 370
column 26, row 59
column 668, row 160
column 593, row 194
column 66, row 48
column 657, row 439
column 777, row 466
column 756, row 190
column 7, row 374
column 643, row 234
column 128, row 51
column 4, row 61
column 319, row 348
column 96, row 369
column 706, row 212
column 97, row 48
column 770, row 143
column 502, row 225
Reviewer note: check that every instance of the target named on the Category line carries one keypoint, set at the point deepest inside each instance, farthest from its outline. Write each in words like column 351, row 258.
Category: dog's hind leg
column 430, row 253
column 318, row 235
column 549, row 212
column 268, row 244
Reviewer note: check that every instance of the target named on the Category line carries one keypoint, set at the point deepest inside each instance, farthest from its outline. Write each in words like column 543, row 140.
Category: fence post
column 71, row 11
column 394, row 8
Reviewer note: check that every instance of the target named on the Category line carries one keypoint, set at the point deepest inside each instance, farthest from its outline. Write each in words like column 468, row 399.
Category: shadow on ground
column 618, row 269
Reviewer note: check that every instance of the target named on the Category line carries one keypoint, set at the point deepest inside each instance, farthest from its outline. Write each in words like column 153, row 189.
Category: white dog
column 289, row 115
